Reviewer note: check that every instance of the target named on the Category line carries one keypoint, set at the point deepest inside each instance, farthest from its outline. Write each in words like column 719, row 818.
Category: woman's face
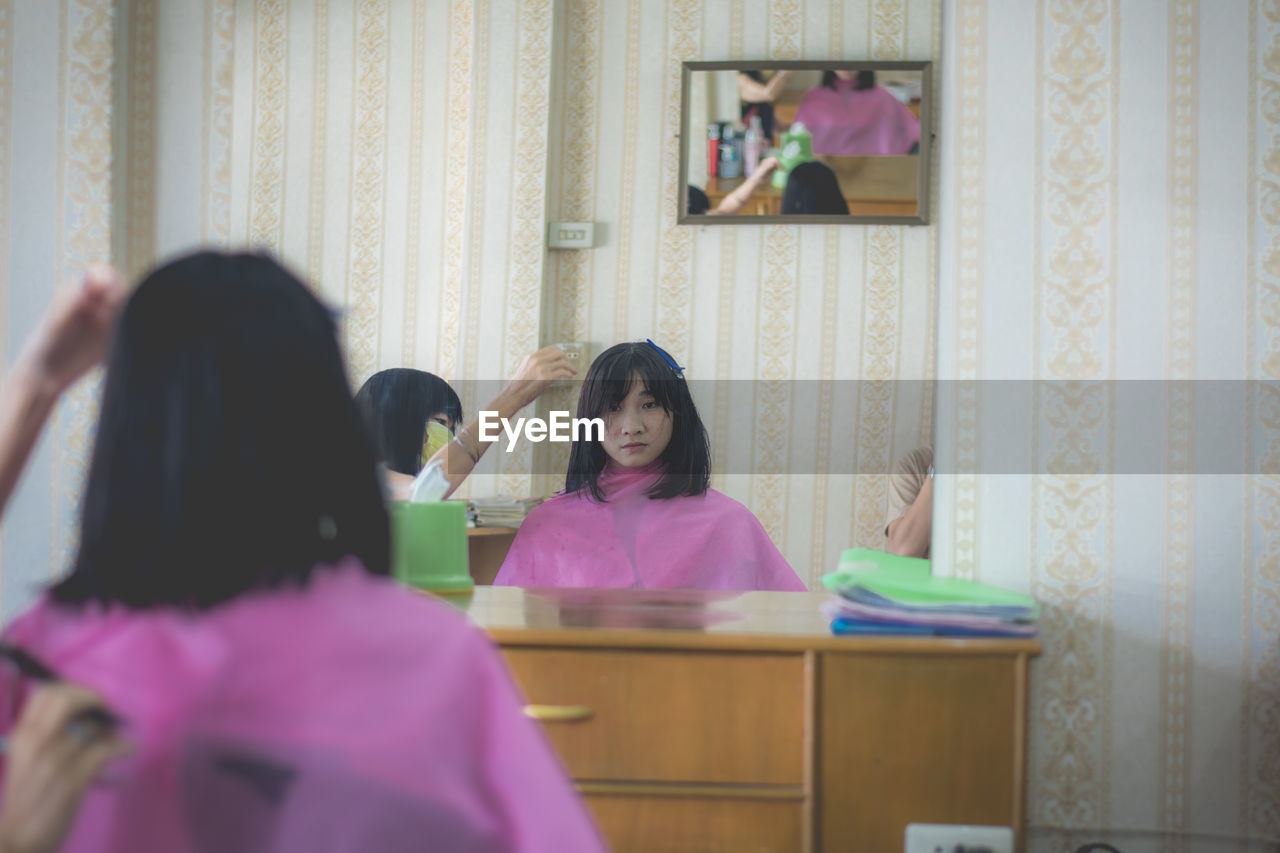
column 846, row 75
column 638, row 429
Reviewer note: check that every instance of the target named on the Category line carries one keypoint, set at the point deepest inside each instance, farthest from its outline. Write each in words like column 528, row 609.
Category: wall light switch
column 954, row 838
column 571, row 235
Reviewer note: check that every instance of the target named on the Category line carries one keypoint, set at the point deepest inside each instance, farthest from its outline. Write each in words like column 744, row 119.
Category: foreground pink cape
column 707, row 542
column 846, row 121
column 350, row 716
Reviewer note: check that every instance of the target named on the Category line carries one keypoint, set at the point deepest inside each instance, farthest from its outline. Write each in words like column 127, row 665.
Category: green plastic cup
column 429, row 546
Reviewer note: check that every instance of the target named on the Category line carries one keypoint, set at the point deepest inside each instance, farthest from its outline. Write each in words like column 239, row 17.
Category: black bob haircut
column 229, row 455
column 608, row 381
column 812, row 188
column 396, row 405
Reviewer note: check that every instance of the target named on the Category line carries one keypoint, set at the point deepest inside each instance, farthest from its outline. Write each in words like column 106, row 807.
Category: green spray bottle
column 797, row 148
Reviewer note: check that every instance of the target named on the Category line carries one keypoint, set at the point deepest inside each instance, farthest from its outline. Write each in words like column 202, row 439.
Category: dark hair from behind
column 812, row 188
column 607, row 383
column 698, row 201
column 865, row 79
column 396, row 404
column 229, row 455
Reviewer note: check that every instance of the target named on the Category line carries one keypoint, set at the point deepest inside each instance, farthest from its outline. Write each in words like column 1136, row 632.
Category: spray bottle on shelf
column 713, row 150
column 753, row 145
column 730, row 155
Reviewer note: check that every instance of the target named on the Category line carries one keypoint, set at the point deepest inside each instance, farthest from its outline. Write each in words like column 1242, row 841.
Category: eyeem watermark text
column 559, row 427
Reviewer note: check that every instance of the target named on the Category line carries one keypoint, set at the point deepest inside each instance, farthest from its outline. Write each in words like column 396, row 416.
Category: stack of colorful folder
column 879, row 593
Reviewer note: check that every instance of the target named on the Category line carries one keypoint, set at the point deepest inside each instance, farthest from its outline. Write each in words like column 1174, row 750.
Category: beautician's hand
column 50, row 763
column 535, row 375
column 765, row 167
column 72, row 337
column 736, row 200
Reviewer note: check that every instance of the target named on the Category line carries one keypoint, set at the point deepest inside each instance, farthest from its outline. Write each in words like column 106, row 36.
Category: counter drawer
column 669, row 716
column 638, row 824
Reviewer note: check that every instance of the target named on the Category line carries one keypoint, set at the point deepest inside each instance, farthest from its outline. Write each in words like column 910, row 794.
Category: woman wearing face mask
column 410, row 414
column 637, row 509
column 415, row 418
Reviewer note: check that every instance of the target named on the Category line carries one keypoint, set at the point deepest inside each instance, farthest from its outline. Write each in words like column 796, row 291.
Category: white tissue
column 430, row 484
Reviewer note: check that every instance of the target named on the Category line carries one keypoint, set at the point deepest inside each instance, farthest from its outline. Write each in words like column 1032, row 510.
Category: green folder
column 868, row 559
column 907, row 582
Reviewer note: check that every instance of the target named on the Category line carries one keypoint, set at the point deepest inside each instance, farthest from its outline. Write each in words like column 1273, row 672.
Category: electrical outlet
column 571, row 235
column 956, row 838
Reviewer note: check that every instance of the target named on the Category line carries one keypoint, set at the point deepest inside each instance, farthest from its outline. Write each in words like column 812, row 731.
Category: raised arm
column 71, row 338
column 736, row 200
column 535, row 375
column 909, row 535
column 754, row 92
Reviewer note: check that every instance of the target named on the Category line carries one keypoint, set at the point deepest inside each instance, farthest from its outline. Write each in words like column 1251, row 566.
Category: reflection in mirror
column 840, row 142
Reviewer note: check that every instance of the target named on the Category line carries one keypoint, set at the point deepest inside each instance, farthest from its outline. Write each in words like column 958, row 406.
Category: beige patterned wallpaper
column 755, row 305
column 392, row 158
column 98, row 128
column 384, row 149
column 56, row 75
column 410, row 173
column 1108, row 213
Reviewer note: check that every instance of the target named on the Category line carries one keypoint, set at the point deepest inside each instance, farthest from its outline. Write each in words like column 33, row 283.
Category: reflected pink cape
column 706, row 542
column 845, row 121
column 352, row 715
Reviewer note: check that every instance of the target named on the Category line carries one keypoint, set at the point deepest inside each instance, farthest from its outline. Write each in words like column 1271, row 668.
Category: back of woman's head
column 687, row 456
column 812, row 188
column 396, row 405
column 229, row 455
column 698, row 201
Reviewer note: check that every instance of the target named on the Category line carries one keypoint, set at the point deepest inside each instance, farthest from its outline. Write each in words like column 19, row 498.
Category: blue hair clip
column 666, row 356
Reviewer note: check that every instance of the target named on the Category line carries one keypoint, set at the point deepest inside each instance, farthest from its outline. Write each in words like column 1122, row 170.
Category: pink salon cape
column 347, row 717
column 845, row 121
column 705, row 542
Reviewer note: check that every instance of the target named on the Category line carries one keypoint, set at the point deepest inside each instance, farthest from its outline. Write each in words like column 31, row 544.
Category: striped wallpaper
column 1106, row 211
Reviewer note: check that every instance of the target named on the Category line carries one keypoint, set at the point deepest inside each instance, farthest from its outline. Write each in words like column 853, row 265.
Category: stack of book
column 878, row 593
column 501, row 510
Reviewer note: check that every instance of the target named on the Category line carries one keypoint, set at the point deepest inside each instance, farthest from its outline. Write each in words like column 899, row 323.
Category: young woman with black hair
column 415, row 418
column 410, row 414
column 230, row 602
column 812, row 188
column 638, row 509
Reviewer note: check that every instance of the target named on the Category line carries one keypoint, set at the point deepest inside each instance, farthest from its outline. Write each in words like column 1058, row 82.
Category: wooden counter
column 701, row 720
column 487, row 547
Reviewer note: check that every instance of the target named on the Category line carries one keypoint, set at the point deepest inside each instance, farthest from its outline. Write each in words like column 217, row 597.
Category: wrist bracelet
column 475, row 457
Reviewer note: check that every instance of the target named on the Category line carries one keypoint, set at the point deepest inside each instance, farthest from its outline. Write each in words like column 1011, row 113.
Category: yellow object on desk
column 698, row 720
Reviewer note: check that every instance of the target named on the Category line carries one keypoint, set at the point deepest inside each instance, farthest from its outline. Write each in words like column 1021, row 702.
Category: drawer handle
column 558, row 713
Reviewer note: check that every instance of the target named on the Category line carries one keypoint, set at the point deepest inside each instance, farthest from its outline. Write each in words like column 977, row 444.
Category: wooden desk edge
column 698, row 641
column 492, row 531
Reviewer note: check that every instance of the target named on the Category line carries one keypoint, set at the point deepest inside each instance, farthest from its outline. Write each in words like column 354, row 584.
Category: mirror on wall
column 834, row 142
